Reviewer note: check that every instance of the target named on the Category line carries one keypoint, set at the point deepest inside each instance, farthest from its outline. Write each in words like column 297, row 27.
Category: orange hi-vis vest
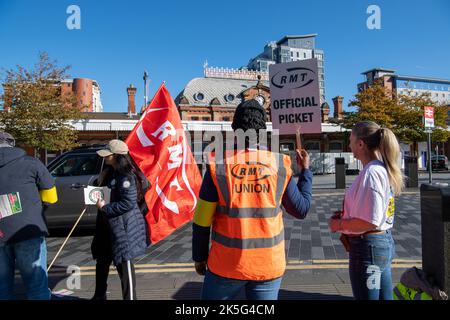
column 247, row 229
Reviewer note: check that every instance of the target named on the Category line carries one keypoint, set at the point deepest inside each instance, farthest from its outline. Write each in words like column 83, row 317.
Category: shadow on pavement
column 53, row 280
column 189, row 291
column 192, row 291
column 57, row 274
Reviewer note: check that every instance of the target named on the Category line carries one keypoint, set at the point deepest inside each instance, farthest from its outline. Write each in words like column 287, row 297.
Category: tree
column 374, row 104
column 411, row 123
column 402, row 114
column 35, row 111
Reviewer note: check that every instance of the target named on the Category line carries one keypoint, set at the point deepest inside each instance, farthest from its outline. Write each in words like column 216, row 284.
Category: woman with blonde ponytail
column 368, row 213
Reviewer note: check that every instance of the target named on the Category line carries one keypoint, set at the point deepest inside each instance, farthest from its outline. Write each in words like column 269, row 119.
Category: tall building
column 291, row 48
column 87, row 92
column 439, row 89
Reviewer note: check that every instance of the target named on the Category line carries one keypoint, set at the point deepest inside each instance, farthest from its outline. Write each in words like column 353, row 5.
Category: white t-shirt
column 370, row 197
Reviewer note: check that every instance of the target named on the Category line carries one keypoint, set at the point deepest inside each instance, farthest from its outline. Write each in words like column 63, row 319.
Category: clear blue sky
column 172, row 39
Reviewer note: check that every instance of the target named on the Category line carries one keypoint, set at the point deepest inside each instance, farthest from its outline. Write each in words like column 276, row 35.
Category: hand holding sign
column 100, row 203
column 302, row 159
column 302, row 155
column 93, row 194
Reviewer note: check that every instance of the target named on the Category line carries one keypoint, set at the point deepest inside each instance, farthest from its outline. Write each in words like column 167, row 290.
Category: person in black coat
column 121, row 233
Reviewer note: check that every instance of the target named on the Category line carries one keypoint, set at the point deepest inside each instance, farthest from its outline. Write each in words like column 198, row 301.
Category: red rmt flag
column 158, row 146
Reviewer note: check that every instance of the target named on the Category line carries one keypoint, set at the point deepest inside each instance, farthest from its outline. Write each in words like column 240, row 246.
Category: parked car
column 73, row 171
column 439, row 163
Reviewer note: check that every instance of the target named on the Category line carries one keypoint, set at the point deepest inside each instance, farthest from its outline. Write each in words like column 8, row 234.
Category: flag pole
column 70, row 233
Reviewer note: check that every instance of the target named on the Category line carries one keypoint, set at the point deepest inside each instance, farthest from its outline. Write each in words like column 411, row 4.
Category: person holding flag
column 159, row 147
column 240, row 201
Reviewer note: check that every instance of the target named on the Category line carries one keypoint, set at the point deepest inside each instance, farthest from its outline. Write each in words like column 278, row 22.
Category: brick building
column 87, row 92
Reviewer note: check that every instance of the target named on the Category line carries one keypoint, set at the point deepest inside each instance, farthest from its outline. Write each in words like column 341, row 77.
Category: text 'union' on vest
column 251, row 188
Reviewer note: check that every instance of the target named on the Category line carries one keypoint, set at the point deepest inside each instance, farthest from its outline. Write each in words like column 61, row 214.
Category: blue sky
column 172, row 39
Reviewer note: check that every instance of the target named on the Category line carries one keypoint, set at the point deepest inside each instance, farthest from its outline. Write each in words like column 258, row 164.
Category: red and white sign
column 429, row 117
column 158, row 146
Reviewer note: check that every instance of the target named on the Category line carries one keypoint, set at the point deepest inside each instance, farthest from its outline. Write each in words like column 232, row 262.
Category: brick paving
column 166, row 271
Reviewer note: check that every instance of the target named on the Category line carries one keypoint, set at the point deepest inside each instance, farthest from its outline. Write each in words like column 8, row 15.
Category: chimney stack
column 131, row 91
column 325, row 108
column 338, row 111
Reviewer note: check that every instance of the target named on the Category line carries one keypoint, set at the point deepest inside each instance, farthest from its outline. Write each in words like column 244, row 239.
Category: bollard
column 411, row 172
column 339, row 165
column 435, row 220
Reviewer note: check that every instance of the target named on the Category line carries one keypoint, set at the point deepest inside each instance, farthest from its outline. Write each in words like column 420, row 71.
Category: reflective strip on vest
column 401, row 292
column 249, row 212
column 247, row 231
column 398, row 294
column 222, row 181
column 252, row 243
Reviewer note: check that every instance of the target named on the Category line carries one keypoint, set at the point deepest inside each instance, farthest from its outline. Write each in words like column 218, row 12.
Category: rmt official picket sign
column 294, row 92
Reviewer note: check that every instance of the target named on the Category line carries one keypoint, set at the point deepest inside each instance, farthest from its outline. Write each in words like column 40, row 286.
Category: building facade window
column 229, row 97
column 335, row 146
column 313, row 146
column 199, row 96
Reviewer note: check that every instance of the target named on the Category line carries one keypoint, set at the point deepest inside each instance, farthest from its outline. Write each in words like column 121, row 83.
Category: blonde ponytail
column 385, row 144
column 390, row 153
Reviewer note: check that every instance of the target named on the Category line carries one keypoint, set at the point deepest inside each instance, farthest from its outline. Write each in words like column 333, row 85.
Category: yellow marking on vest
column 49, row 195
column 204, row 213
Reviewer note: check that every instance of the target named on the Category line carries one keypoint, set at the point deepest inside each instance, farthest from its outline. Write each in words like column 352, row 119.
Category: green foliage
column 402, row 114
column 38, row 113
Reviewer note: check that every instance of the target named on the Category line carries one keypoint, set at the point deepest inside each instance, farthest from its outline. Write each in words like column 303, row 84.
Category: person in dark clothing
column 101, row 244
column 121, row 234
column 25, row 184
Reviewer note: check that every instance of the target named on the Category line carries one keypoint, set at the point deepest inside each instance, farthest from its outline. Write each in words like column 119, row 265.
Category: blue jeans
column 30, row 258
column 219, row 288
column 370, row 266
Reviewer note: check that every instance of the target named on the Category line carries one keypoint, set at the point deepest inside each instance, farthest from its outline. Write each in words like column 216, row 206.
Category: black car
column 73, row 171
column 439, row 163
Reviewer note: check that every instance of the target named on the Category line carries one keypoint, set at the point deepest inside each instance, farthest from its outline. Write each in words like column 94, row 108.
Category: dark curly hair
column 249, row 115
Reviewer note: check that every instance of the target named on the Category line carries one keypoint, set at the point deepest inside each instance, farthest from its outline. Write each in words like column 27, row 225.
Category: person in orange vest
column 240, row 208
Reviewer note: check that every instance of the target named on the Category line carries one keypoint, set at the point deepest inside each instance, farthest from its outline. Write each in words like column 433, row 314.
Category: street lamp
column 145, row 89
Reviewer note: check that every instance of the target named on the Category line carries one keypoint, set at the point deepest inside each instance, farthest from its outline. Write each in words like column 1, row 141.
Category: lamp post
column 145, row 88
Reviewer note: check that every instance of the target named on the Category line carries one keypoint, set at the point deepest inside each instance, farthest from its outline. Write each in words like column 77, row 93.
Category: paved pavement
column 317, row 263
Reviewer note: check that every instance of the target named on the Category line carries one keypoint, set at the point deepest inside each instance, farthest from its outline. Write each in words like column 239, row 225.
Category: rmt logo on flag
column 158, row 146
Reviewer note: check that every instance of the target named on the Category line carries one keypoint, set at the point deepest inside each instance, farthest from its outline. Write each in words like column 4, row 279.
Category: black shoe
column 97, row 297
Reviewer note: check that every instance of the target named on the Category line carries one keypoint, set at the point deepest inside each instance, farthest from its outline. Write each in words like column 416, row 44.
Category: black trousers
column 127, row 278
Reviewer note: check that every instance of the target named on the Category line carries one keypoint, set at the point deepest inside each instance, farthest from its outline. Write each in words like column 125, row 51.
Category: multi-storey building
column 439, row 89
column 291, row 48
